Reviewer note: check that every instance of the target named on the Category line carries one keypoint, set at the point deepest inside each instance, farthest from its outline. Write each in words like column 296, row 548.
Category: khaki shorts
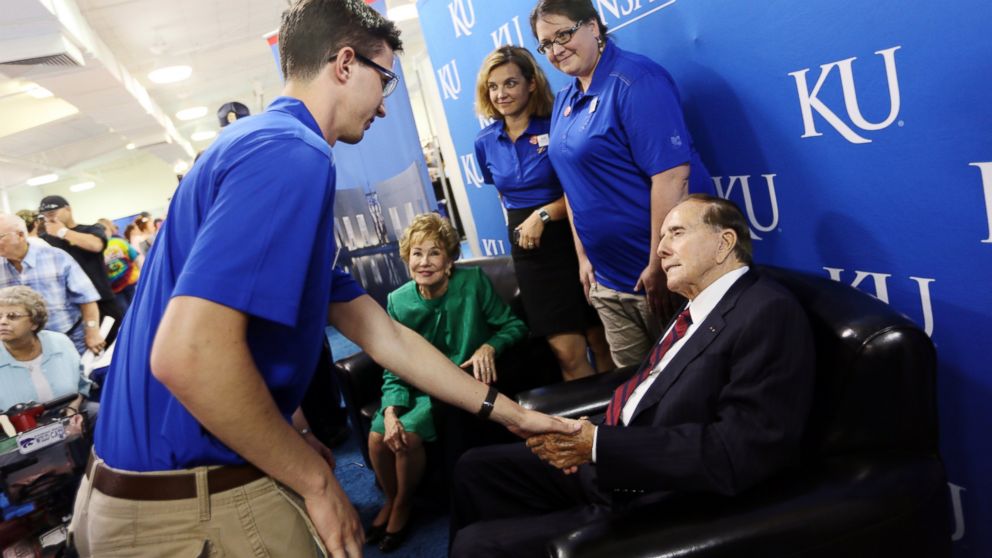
column 631, row 328
column 261, row 519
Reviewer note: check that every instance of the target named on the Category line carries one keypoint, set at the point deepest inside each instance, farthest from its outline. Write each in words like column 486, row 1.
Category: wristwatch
column 90, row 324
column 61, row 233
column 544, row 215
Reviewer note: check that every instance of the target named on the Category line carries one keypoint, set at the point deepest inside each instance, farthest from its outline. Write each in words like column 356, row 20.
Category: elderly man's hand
column 93, row 340
column 565, row 451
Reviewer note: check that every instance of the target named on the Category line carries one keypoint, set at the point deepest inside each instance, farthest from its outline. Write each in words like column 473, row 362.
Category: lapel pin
column 568, row 110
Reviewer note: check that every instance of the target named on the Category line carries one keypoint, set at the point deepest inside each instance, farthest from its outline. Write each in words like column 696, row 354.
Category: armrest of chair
column 583, row 397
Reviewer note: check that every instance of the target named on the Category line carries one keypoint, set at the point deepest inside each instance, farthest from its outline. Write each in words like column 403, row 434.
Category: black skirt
column 548, row 277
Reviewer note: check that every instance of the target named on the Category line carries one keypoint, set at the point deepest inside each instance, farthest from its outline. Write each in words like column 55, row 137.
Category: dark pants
column 507, row 502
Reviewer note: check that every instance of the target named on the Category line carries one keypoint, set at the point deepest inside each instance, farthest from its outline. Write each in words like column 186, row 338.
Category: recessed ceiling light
column 129, row 146
column 38, row 92
column 204, row 135
column 192, row 113
column 82, row 186
column 181, row 166
column 43, row 179
column 170, row 74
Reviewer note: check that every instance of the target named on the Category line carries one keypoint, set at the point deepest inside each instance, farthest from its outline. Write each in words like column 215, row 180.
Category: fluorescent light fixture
column 192, row 113
column 203, row 135
column 181, row 166
column 38, row 92
column 130, row 146
column 43, row 179
column 170, row 74
column 402, row 13
column 82, row 186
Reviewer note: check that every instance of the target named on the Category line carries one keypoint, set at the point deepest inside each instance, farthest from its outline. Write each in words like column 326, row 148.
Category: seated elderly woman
column 459, row 312
column 36, row 364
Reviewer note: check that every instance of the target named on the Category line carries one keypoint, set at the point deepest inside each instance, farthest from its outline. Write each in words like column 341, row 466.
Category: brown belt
column 167, row 487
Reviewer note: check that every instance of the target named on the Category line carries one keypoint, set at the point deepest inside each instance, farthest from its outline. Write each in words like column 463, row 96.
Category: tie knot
column 683, row 322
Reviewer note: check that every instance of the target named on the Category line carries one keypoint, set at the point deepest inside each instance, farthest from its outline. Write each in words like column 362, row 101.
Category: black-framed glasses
column 561, row 38
column 390, row 80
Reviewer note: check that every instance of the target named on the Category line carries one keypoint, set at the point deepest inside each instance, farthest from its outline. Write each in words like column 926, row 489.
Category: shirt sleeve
column 79, row 288
column 509, row 328
column 480, row 157
column 344, row 288
column 257, row 240
column 650, row 115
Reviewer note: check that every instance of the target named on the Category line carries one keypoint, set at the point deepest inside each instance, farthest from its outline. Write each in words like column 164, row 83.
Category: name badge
column 543, row 140
column 593, row 105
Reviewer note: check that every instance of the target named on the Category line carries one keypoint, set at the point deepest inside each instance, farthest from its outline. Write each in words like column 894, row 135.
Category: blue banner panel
column 856, row 137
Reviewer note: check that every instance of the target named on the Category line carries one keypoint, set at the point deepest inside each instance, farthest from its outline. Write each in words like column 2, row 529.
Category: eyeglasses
column 390, row 79
column 13, row 316
column 561, row 38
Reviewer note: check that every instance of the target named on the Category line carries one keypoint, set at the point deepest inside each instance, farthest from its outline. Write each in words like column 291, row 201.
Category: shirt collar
column 706, row 301
column 296, row 109
column 31, row 256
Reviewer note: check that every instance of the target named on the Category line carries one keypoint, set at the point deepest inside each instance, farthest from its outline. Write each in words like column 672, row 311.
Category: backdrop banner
column 856, row 138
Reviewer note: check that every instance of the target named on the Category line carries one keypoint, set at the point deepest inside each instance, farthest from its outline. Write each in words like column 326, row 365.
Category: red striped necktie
column 623, row 393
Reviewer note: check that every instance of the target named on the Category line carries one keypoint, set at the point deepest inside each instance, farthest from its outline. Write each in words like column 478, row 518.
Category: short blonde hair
column 430, row 226
column 541, row 100
column 30, row 300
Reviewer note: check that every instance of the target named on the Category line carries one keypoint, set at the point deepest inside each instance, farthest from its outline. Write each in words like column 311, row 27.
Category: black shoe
column 392, row 541
column 375, row 533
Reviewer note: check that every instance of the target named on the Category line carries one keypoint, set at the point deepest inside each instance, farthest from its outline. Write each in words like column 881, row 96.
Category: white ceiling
column 109, row 102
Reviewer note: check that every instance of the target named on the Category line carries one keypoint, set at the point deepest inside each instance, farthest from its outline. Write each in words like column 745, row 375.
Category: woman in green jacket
column 459, row 312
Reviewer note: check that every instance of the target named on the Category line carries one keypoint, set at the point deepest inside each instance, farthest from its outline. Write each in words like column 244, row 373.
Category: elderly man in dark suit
column 718, row 406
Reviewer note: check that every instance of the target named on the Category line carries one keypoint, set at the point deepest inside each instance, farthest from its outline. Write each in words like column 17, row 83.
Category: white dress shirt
column 699, row 309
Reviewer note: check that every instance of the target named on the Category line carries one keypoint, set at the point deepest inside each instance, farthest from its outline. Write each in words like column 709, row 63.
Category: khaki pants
column 259, row 519
column 631, row 328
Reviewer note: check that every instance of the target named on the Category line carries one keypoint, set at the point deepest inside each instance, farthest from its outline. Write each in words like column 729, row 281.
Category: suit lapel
column 701, row 338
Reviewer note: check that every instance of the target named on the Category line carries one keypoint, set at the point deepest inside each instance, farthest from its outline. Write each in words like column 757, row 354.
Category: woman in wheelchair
column 36, row 364
column 459, row 312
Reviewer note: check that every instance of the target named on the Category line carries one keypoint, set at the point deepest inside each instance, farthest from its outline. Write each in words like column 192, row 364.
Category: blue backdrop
column 856, row 136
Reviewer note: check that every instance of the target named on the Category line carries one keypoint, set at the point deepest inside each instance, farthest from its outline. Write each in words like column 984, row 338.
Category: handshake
column 565, row 451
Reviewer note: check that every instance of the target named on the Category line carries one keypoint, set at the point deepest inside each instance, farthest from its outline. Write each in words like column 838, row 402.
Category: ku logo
column 484, row 121
column 462, row 16
column 471, row 170
column 745, row 182
column 501, row 36
column 882, row 290
column 809, row 102
column 451, row 83
column 986, row 170
column 493, row 246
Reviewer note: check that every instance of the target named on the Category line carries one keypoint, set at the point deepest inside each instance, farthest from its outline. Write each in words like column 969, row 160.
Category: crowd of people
column 622, row 256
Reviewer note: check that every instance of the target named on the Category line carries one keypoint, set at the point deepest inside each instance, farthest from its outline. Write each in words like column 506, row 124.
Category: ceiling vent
column 46, row 50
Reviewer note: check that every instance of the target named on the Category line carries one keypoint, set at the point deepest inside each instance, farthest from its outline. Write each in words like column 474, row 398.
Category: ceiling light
column 38, row 92
column 181, row 167
column 192, row 113
column 204, row 135
column 82, row 186
column 402, row 13
column 170, row 74
column 43, row 179
column 130, row 146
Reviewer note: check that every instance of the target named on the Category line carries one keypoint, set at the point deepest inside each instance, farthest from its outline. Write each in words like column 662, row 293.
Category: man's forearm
column 90, row 312
column 88, row 242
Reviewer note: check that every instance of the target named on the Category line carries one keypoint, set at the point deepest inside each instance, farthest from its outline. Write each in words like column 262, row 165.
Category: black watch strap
column 489, row 403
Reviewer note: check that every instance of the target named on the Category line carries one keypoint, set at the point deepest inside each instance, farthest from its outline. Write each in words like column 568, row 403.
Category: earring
column 600, row 43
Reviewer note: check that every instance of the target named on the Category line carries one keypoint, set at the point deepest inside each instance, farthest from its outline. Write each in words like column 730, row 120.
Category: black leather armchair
column 361, row 377
column 871, row 485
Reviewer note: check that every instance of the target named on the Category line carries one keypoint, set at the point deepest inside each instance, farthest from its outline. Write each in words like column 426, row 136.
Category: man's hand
column 53, row 226
column 530, row 232
column 565, row 451
column 483, row 364
column 587, row 275
column 532, row 423
column 395, row 436
column 336, row 521
column 652, row 281
column 94, row 341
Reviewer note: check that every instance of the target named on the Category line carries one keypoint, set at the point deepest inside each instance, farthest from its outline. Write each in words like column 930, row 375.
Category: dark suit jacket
column 728, row 410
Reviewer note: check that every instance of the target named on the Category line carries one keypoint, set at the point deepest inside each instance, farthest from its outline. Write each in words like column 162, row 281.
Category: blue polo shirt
column 250, row 227
column 520, row 170
column 606, row 144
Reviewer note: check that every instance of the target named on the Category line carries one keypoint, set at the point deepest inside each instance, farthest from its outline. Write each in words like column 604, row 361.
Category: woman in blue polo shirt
column 620, row 146
column 513, row 155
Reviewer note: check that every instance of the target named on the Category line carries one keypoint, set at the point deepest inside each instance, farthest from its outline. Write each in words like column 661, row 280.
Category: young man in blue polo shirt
column 195, row 454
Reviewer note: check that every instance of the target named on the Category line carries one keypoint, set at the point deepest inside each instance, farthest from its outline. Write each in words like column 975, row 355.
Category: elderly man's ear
column 728, row 239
